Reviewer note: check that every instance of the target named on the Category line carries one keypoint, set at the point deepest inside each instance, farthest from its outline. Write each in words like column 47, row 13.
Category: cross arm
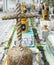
column 14, row 16
column 29, row 15
column 10, row 16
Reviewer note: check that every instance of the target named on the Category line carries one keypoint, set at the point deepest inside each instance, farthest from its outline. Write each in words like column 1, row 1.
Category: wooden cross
column 18, row 15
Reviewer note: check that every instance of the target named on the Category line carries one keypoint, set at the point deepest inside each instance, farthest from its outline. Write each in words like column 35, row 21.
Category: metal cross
column 18, row 15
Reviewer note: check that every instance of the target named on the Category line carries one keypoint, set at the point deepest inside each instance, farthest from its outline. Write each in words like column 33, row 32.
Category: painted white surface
column 48, row 57
column 6, row 28
column 51, row 39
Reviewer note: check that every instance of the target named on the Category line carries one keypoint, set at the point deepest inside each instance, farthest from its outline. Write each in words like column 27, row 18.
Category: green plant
column 40, row 48
column 32, row 20
column 34, row 30
column 46, row 63
column 7, row 47
column 43, row 55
